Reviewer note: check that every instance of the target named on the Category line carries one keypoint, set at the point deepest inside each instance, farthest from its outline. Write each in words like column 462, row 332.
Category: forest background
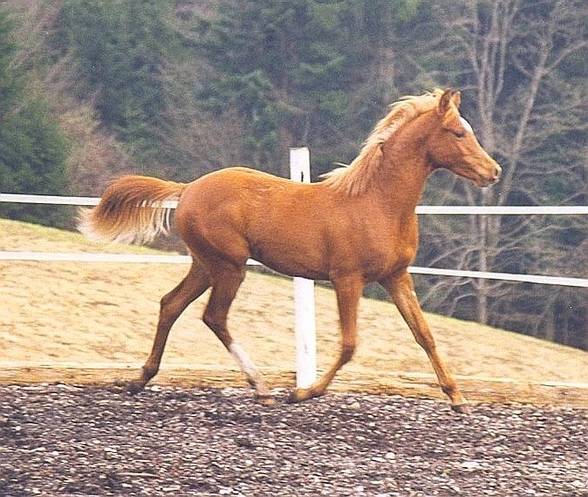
column 92, row 90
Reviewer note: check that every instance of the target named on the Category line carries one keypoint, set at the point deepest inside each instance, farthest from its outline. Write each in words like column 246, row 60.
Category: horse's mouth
column 485, row 182
column 477, row 175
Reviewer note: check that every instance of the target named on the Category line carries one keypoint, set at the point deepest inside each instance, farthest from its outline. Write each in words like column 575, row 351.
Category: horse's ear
column 445, row 101
column 456, row 98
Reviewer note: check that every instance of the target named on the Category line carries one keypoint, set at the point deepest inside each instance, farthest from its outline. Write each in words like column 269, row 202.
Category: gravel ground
column 58, row 440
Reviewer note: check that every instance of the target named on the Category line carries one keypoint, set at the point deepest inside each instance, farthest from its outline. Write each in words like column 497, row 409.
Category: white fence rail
column 18, row 198
column 184, row 259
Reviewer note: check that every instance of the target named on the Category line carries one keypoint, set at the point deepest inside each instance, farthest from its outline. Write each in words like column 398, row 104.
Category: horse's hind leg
column 401, row 289
column 196, row 282
column 226, row 282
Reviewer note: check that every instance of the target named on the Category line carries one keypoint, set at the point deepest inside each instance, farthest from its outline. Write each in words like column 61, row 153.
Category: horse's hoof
column 134, row 387
column 300, row 394
column 266, row 400
column 117, row 386
column 462, row 409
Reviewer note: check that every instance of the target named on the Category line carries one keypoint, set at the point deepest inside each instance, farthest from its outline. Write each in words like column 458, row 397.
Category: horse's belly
column 293, row 256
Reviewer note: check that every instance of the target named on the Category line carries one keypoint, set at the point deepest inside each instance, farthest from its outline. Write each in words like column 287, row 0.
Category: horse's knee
column 164, row 301
column 347, row 352
column 168, row 299
column 167, row 317
column 164, row 307
column 169, row 308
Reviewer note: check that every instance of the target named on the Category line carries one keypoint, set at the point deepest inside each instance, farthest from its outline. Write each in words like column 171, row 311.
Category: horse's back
column 230, row 191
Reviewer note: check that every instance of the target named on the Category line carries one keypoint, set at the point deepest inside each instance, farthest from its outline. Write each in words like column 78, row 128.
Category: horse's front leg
column 348, row 291
column 401, row 289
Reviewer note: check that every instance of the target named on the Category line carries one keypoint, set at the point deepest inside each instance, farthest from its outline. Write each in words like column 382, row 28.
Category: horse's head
column 453, row 145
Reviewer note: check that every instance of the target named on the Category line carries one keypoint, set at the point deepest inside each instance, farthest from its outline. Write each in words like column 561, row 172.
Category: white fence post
column 304, row 309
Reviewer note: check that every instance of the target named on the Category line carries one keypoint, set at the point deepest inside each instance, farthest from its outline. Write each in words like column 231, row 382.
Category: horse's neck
column 404, row 173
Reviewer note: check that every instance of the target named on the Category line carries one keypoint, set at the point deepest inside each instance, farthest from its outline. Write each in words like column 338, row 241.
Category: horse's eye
column 460, row 133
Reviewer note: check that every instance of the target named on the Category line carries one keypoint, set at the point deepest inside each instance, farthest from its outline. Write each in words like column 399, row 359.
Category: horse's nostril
column 498, row 171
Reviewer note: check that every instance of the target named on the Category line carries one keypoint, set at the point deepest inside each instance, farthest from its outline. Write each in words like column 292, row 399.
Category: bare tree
column 510, row 57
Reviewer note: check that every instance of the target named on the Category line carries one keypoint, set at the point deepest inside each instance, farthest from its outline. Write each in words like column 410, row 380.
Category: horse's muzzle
column 490, row 179
column 497, row 174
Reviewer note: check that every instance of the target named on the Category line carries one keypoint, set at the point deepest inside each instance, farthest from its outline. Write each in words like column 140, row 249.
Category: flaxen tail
column 133, row 209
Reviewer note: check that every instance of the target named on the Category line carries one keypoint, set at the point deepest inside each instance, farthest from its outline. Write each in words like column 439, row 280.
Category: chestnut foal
column 355, row 227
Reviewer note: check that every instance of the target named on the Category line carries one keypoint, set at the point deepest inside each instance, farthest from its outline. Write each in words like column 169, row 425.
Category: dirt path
column 66, row 441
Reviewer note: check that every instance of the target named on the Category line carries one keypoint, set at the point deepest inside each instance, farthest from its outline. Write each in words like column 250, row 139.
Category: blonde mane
column 356, row 178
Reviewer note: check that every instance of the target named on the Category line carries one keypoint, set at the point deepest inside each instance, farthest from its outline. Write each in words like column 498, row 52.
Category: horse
column 358, row 225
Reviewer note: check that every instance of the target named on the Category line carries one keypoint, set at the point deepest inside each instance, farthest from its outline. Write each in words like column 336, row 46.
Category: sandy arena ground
column 86, row 313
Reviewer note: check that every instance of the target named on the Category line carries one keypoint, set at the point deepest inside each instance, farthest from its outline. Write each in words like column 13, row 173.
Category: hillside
column 177, row 89
column 84, row 313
